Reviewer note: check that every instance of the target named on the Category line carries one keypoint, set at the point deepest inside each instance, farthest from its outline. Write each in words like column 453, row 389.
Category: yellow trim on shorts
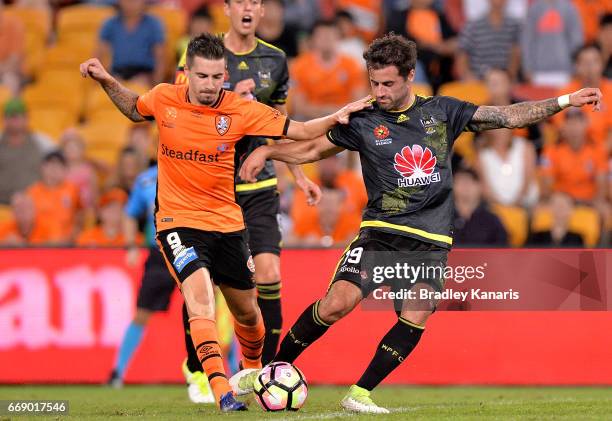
column 431, row 236
column 256, row 186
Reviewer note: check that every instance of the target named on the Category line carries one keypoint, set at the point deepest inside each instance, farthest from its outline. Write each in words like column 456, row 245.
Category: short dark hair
column 606, row 19
column 56, row 156
column 324, row 23
column 586, row 47
column 467, row 171
column 207, row 46
column 392, row 50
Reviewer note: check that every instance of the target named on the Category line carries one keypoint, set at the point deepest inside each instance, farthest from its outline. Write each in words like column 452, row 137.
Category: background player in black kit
column 258, row 70
column 404, row 142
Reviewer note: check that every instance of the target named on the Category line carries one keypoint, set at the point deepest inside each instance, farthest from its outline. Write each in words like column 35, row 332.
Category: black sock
column 307, row 329
column 193, row 363
column 269, row 301
column 397, row 344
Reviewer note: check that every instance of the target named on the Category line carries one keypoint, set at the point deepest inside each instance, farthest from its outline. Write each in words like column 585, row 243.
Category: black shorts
column 378, row 258
column 157, row 285
column 261, row 211
column 225, row 255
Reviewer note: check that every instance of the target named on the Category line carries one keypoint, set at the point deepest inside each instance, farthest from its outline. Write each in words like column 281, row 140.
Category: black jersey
column 267, row 66
column 405, row 160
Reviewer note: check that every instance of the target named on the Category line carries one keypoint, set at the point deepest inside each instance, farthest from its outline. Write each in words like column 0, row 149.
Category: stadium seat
column 81, row 21
column 6, row 213
column 584, row 221
column 104, row 140
column 422, row 89
column 68, row 82
column 45, row 96
column 175, row 23
column 38, row 25
column 475, row 92
column 5, row 94
column 51, row 121
column 515, row 221
column 221, row 22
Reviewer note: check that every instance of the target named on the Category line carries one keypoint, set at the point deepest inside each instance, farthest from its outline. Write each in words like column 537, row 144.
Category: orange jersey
column 96, row 237
column 600, row 122
column 195, row 156
column 56, row 210
column 334, row 85
column 574, row 172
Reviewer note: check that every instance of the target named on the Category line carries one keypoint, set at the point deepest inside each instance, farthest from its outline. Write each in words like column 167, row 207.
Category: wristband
column 564, row 101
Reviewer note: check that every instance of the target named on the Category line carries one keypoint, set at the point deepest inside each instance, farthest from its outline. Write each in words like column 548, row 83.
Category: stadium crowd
column 68, row 159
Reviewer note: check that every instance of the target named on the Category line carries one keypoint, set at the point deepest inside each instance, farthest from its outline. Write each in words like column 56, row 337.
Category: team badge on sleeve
column 222, row 123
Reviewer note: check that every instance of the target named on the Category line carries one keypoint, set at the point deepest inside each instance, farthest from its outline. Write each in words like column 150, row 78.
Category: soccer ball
column 280, row 386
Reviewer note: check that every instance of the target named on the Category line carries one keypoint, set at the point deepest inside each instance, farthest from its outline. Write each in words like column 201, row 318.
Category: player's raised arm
column 312, row 129
column 124, row 99
column 525, row 113
column 291, row 153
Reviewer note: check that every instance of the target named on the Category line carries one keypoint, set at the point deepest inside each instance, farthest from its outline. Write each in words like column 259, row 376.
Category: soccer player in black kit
column 259, row 71
column 404, row 142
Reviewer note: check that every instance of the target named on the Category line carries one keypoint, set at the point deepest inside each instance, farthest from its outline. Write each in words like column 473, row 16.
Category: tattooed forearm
column 124, row 99
column 513, row 116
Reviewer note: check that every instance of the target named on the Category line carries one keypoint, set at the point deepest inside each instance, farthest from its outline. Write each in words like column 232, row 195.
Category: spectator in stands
column 589, row 73
column 591, row 12
column 551, row 35
column 135, row 41
column 366, row 14
column 475, row 224
column 129, row 165
column 200, row 22
column 303, row 14
column 274, row 30
column 12, row 50
column 335, row 221
column 573, row 166
column 323, row 78
column 21, row 151
column 56, row 200
column 605, row 42
column 507, row 168
column 81, row 172
column 350, row 44
column 435, row 38
column 489, row 42
column 18, row 229
column 141, row 140
column 559, row 235
column 109, row 232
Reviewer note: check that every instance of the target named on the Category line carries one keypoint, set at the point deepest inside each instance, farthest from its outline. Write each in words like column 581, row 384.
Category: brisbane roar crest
column 223, row 123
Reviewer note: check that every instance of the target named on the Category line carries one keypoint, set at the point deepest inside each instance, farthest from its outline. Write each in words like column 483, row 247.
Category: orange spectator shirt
column 574, row 172
column 600, row 122
column 306, row 218
column 10, row 235
column 327, row 85
column 96, row 237
column 56, row 209
column 12, row 36
column 195, row 156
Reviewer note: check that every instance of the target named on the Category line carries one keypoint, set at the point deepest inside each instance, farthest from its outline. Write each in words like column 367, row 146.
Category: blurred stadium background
column 66, row 293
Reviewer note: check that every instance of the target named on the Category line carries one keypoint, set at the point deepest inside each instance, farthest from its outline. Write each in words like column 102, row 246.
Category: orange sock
column 251, row 340
column 204, row 336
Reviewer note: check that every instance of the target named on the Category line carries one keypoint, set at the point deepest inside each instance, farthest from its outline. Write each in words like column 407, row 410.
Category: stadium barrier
column 63, row 313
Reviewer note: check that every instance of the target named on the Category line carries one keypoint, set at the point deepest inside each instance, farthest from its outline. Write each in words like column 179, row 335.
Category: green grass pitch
column 406, row 403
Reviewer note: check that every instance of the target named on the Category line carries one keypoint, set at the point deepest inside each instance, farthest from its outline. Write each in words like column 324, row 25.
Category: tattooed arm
column 123, row 98
column 526, row 113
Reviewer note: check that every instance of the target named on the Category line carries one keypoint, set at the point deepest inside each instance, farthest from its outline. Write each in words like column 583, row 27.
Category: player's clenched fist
column 94, row 69
column 586, row 96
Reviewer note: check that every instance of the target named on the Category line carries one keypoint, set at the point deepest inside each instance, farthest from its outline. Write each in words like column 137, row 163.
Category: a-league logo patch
column 222, row 123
